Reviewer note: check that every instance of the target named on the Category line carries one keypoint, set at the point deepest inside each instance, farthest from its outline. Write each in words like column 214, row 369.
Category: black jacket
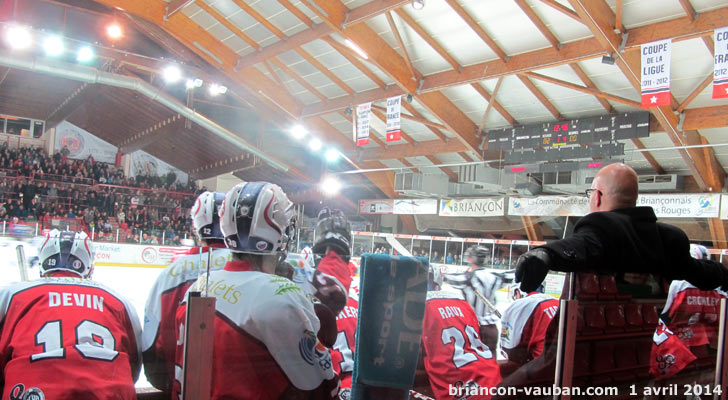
column 631, row 240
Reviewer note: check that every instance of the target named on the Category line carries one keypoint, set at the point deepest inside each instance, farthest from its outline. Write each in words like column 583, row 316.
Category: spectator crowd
column 146, row 208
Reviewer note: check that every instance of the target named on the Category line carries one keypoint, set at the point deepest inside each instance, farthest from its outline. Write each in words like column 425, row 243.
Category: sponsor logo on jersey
column 506, row 331
column 306, row 346
column 18, row 392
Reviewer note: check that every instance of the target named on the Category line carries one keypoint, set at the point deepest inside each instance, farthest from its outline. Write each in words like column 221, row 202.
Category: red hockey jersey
column 692, row 314
column 159, row 335
column 265, row 336
column 668, row 355
column 64, row 337
column 342, row 354
column 454, row 354
column 525, row 321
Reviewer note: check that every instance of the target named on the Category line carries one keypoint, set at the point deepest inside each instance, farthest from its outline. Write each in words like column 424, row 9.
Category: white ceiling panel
column 563, row 27
column 643, row 12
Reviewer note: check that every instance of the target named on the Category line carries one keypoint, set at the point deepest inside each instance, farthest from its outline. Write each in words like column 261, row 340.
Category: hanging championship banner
column 720, row 76
column 394, row 133
column 656, row 73
column 362, row 123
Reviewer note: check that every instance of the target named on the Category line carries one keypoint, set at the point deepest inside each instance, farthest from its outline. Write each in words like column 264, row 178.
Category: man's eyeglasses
column 589, row 192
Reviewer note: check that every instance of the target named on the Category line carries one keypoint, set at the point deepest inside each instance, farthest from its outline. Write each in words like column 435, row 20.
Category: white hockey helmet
column 205, row 215
column 699, row 252
column 66, row 251
column 257, row 217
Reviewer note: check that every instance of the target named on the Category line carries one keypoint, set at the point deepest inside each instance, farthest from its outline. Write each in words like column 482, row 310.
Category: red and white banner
column 656, row 73
column 720, row 76
column 362, row 123
column 394, row 132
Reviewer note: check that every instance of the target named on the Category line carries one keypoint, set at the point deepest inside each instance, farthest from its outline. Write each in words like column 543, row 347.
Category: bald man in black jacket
column 616, row 236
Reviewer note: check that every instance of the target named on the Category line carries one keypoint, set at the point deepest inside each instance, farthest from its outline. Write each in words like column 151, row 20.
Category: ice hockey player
column 477, row 279
column 524, row 324
column 454, row 354
column 159, row 335
column 266, row 343
column 65, row 336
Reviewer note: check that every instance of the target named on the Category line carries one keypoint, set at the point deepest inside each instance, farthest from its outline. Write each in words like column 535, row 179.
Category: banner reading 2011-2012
column 656, row 73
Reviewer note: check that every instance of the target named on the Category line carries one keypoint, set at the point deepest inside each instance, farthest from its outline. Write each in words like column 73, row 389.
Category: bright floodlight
column 418, row 4
column 85, row 54
column 298, row 132
column 216, row 89
column 332, row 155
column 18, row 37
column 190, row 84
column 315, row 144
column 114, row 31
column 53, row 45
column 331, row 186
column 172, row 74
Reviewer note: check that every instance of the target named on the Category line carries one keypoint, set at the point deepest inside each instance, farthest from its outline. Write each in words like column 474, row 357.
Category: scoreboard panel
column 605, row 128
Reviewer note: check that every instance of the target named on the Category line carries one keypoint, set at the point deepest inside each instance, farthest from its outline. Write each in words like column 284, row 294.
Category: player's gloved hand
column 329, row 292
column 333, row 231
column 327, row 330
column 531, row 269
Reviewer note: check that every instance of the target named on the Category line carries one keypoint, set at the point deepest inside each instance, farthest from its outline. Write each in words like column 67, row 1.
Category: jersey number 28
column 461, row 356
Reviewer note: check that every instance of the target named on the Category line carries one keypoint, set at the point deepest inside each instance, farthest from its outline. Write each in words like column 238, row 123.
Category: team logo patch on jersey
column 18, row 392
column 306, row 346
column 506, row 331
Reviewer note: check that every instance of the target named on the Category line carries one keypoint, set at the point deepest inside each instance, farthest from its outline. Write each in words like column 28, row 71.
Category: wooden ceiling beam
column 261, row 20
column 84, row 94
column 391, row 63
column 324, row 70
column 159, row 131
column 409, row 164
column 175, row 6
column 587, row 90
column 705, row 118
column 689, row 9
column 400, row 43
column 353, row 58
column 353, row 18
column 619, row 9
column 440, row 49
column 490, row 102
column 450, row 173
column 432, row 126
column 562, row 9
column 283, row 67
column 540, row 96
column 226, row 23
column 545, row 31
column 591, row 85
column 599, row 18
column 414, row 118
column 678, row 29
column 489, row 97
column 648, row 156
column 228, row 165
column 374, row 95
column 429, row 147
column 704, row 84
column 297, row 12
column 475, row 26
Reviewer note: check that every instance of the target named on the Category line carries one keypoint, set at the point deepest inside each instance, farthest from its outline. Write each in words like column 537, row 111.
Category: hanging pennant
column 394, row 133
column 362, row 123
column 720, row 76
column 656, row 73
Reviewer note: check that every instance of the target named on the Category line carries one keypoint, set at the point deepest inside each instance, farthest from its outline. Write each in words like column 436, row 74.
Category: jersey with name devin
column 159, row 334
column 265, row 337
column 454, row 354
column 65, row 337
column 692, row 314
column 525, row 322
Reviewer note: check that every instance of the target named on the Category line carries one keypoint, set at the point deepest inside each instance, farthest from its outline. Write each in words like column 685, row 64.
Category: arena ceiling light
column 315, row 144
column 193, row 83
column 85, row 54
column 356, row 48
column 53, row 46
column 18, row 37
column 332, row 155
column 331, row 186
column 216, row 89
column 172, row 74
column 298, row 131
column 114, row 31
column 418, row 4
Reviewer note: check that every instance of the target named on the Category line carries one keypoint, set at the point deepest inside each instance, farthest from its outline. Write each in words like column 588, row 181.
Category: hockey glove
column 333, row 231
column 531, row 269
